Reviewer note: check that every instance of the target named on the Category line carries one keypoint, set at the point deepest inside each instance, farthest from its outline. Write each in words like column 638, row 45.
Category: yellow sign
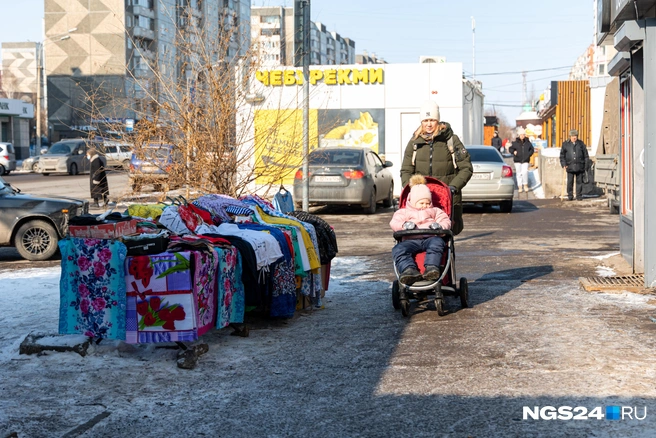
column 279, row 144
column 342, row 76
column 360, row 132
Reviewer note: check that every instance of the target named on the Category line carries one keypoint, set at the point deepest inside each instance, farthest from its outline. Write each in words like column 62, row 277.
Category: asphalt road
column 532, row 338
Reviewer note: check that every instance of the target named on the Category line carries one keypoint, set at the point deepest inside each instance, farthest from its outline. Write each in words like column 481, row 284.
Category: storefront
column 15, row 116
column 630, row 26
column 355, row 105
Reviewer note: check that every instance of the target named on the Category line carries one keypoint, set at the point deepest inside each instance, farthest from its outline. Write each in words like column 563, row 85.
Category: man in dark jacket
column 522, row 150
column 428, row 154
column 496, row 141
column 97, row 178
column 574, row 159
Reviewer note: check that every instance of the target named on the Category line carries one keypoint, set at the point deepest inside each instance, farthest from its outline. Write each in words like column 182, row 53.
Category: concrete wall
column 551, row 173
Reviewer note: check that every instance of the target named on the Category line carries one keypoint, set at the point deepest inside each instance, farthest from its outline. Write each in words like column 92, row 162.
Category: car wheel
column 36, row 240
column 371, row 208
column 34, row 166
column 506, row 206
column 45, row 174
column 157, row 187
column 136, row 185
column 388, row 202
column 2, row 169
column 73, row 169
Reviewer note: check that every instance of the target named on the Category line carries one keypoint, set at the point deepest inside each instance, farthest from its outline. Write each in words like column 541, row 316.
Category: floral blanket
column 160, row 299
column 92, row 288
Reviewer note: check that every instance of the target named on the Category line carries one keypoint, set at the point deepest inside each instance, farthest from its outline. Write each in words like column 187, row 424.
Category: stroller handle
column 398, row 235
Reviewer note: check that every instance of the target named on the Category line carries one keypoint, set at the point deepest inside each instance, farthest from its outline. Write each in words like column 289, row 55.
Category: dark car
column 34, row 224
column 492, row 181
column 347, row 176
column 156, row 164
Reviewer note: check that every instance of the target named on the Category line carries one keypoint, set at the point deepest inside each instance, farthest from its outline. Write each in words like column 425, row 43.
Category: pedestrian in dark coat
column 434, row 150
column 574, row 159
column 496, row 141
column 97, row 178
column 522, row 150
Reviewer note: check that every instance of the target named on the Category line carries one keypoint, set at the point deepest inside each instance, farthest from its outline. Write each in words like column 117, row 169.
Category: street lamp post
column 39, row 85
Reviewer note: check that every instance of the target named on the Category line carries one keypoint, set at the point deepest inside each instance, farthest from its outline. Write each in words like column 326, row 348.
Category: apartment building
column 19, row 64
column 272, row 33
column 118, row 53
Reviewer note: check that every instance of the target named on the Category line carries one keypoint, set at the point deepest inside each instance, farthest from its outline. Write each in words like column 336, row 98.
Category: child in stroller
column 433, row 253
column 419, row 213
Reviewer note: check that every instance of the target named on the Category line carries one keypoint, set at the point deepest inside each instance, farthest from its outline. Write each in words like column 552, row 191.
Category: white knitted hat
column 520, row 131
column 429, row 110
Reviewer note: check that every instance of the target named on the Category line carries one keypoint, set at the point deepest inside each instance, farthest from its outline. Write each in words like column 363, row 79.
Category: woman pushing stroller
column 419, row 213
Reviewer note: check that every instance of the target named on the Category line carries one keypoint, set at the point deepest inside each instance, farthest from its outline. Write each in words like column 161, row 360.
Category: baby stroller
column 402, row 294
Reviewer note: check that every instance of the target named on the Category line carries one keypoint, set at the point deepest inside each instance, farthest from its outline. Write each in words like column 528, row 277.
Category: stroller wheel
column 464, row 293
column 396, row 295
column 439, row 301
column 405, row 307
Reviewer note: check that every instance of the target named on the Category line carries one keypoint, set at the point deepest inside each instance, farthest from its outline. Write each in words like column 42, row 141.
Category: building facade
column 272, row 33
column 122, row 52
column 19, row 71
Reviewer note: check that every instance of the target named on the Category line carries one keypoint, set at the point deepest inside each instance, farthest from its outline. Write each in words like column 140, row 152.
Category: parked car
column 492, row 181
column 31, row 163
column 34, row 224
column 66, row 156
column 347, row 176
column 156, row 164
column 7, row 158
column 117, row 154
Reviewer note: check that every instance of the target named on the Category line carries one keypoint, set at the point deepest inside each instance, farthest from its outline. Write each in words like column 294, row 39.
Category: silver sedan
column 343, row 175
column 492, row 181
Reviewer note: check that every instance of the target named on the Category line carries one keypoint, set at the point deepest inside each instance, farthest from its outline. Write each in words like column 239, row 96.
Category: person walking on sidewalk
column 574, row 159
column 98, row 178
column 496, row 141
column 522, row 150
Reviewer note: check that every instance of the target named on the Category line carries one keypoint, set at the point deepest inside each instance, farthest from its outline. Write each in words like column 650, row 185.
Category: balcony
column 143, row 11
column 142, row 32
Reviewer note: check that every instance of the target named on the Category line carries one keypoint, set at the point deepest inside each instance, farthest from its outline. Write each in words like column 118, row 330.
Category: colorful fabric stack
column 92, row 288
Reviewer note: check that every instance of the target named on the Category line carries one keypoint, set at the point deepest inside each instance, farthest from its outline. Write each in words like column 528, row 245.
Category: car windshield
column 59, row 148
column 336, row 156
column 488, row 154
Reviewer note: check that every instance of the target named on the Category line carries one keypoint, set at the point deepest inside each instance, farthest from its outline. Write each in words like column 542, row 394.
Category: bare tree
column 201, row 109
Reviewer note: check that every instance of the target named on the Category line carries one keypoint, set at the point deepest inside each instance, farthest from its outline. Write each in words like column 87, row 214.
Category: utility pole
column 473, row 22
column 302, row 18
column 39, row 73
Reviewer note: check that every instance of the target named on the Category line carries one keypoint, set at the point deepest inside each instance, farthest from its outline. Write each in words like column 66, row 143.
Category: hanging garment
column 325, row 235
column 221, row 207
column 271, row 216
column 267, row 249
column 302, row 261
column 231, row 289
column 283, row 201
column 205, row 264
column 92, row 288
column 171, row 219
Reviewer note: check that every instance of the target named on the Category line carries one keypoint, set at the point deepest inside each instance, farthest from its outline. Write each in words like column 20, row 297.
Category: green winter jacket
column 434, row 159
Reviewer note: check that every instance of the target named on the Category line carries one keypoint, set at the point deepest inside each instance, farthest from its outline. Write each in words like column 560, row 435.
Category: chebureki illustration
column 360, row 132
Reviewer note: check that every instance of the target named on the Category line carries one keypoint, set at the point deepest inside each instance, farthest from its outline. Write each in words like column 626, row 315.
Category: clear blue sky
column 511, row 35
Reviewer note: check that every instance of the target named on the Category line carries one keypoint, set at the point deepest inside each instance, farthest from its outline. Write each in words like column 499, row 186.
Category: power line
column 524, row 71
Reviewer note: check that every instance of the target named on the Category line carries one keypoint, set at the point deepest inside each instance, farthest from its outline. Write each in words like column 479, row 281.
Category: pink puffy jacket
column 421, row 218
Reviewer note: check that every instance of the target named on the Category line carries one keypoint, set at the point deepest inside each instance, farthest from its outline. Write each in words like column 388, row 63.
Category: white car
column 492, row 181
column 117, row 154
column 7, row 158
